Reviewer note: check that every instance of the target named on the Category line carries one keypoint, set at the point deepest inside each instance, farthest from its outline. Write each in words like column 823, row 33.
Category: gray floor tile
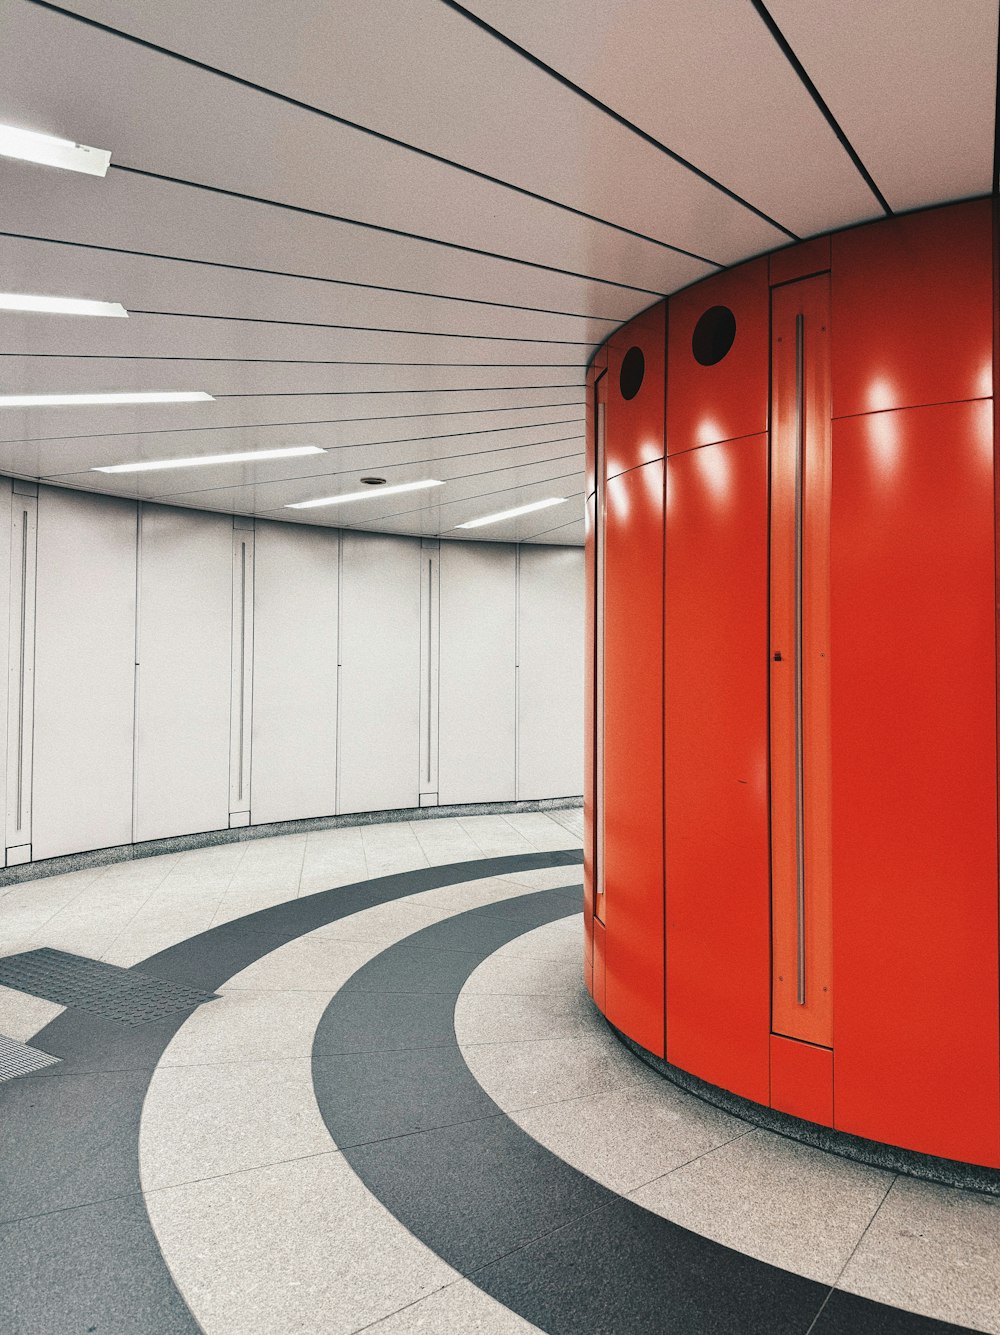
column 933, row 1250
column 293, row 1247
column 459, row 1309
column 781, row 1202
column 203, row 1121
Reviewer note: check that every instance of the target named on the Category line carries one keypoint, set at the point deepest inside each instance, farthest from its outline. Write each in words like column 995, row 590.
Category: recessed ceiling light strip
column 97, row 400
column 369, row 495
column 208, row 460
column 30, row 146
column 512, row 514
column 20, row 301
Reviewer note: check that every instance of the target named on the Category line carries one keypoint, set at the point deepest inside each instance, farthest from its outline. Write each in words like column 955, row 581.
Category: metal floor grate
column 18, row 1059
column 105, row 989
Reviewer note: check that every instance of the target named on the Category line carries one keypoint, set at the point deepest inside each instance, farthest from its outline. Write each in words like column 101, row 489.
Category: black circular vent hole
column 713, row 335
column 630, row 376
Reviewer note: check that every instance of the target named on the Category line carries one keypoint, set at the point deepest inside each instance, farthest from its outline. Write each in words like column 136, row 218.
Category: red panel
column 635, row 426
column 802, row 1080
column 912, row 310
column 588, row 742
column 599, row 364
column 716, row 728
column 794, row 262
column 721, row 402
column 913, row 698
column 633, row 754
column 599, row 971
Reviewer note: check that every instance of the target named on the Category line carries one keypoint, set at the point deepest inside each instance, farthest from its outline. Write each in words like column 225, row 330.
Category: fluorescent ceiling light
column 59, row 400
column 511, row 514
column 30, row 146
column 370, row 494
column 17, row 301
column 206, row 460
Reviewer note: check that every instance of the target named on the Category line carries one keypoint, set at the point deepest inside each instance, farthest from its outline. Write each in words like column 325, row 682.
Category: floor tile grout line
column 840, row 1273
column 370, row 1325
column 695, row 1158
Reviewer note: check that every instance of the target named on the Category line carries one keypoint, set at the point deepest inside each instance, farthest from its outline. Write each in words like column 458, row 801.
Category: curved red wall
column 791, row 803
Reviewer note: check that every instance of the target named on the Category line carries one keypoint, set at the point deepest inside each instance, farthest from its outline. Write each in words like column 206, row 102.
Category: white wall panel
column 295, row 672
column 84, row 672
column 241, row 671
column 550, row 672
column 380, row 672
column 476, row 735
column 182, row 683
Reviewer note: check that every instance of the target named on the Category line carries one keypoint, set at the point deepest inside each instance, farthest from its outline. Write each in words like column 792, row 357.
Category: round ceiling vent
column 630, row 376
column 373, row 481
column 713, row 335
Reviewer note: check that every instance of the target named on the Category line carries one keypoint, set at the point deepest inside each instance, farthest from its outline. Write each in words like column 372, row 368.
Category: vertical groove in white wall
column 241, row 716
column 430, row 632
column 340, row 662
column 21, row 672
column 137, row 687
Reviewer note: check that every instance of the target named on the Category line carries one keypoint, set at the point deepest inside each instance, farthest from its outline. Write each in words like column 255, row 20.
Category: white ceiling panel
column 198, row 126
column 332, row 55
column 913, row 85
column 365, row 451
column 142, row 284
column 365, row 386
column 182, row 336
column 709, row 80
column 243, row 421
column 146, row 215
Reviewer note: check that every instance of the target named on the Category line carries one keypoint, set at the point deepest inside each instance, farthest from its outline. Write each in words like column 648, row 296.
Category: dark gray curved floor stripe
column 551, row 1244
column 77, row 1251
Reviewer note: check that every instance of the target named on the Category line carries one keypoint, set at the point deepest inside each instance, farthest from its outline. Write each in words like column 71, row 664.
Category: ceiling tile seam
column 327, row 478
column 296, row 361
column 616, row 116
column 366, row 328
column 384, row 229
column 464, row 500
column 785, row 48
column 389, row 139
column 400, row 463
column 308, row 278
column 570, row 523
column 359, row 393
column 281, row 426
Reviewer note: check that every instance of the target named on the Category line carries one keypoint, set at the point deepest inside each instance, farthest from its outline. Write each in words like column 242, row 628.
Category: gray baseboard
column 102, row 857
column 948, row 1172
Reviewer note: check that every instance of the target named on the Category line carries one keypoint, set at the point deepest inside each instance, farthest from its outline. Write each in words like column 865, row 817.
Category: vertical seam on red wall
column 996, row 490
column 767, row 660
column 663, row 670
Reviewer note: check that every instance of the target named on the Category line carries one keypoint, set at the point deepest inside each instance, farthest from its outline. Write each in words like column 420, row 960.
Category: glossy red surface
column 897, row 712
column 802, row 1080
column 914, row 780
column 635, row 426
column 633, row 754
column 716, row 684
column 728, row 400
column 912, row 310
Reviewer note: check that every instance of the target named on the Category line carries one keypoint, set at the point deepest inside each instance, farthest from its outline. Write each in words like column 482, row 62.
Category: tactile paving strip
column 120, row 994
column 18, row 1059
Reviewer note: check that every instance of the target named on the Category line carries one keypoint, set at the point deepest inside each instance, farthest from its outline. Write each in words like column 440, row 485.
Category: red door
column 801, row 909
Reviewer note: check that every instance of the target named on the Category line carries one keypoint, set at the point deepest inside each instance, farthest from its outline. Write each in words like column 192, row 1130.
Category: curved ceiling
column 397, row 229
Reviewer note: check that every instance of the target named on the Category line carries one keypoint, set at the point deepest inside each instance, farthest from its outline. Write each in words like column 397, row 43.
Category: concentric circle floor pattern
column 403, row 1114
